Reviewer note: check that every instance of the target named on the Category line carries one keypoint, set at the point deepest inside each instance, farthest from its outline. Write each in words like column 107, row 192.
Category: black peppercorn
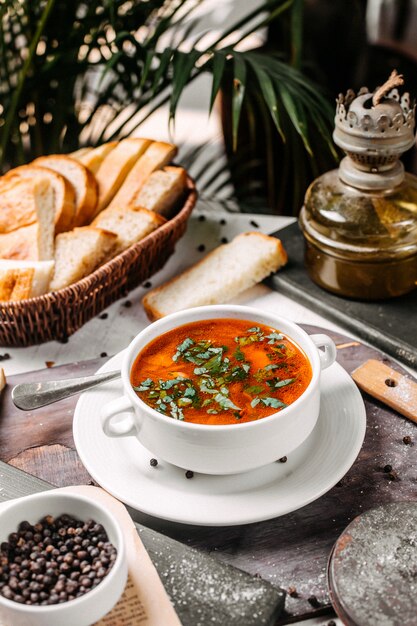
column 387, row 468
column 148, row 284
column 407, row 440
column 314, row 602
column 103, row 354
column 127, row 304
column 224, row 240
column 43, row 564
column 153, row 462
column 283, row 459
column 201, row 247
column 189, row 474
column 103, row 316
column 201, row 218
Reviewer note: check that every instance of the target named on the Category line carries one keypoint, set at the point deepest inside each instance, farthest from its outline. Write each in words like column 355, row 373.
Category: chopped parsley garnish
column 276, row 383
column 217, row 378
column 145, row 385
column 274, row 337
column 238, row 354
column 224, row 402
column 182, row 348
column 254, row 390
column 274, row 402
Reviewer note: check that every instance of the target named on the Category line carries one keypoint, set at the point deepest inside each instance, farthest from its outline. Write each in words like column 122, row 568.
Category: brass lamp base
column 361, row 280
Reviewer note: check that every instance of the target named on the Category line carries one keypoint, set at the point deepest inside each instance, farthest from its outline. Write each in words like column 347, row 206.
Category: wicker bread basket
column 58, row 314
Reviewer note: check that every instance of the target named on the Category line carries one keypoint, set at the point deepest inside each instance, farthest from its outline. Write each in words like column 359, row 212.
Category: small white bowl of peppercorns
column 62, row 561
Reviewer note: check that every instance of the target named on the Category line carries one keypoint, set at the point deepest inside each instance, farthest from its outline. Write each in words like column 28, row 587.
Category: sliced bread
column 130, row 224
column 79, row 252
column 20, row 201
column 79, row 153
column 95, row 156
column 64, row 194
column 82, row 180
column 29, row 243
column 221, row 275
column 116, row 166
column 162, row 190
column 24, row 279
column 156, row 156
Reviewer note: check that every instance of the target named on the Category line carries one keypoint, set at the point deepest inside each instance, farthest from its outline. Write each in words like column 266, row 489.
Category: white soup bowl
column 222, row 449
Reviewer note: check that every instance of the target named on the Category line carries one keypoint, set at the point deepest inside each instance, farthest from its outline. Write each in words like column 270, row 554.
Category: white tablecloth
column 121, row 324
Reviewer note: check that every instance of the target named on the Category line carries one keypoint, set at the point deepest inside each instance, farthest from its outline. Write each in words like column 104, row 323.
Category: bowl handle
column 124, row 428
column 328, row 356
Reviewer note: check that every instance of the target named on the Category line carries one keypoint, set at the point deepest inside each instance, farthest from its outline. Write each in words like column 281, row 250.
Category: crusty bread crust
column 22, row 243
column 157, row 155
column 150, row 300
column 94, row 157
column 162, row 190
column 64, row 194
column 20, row 280
column 19, row 201
column 144, row 222
column 86, row 193
column 79, row 153
column 115, row 168
column 16, row 284
column 88, row 248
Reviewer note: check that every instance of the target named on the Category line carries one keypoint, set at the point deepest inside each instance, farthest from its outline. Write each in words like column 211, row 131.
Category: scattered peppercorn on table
column 291, row 551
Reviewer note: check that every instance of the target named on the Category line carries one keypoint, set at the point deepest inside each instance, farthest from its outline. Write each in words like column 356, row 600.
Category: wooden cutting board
column 290, row 551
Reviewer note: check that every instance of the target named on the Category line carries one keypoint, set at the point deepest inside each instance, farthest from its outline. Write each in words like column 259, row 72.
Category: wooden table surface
column 289, row 551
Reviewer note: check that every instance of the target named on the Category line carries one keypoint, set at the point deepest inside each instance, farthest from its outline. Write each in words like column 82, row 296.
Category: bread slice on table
column 79, row 252
column 156, row 156
column 162, row 190
column 21, row 200
column 130, row 224
column 82, row 180
column 64, row 194
column 116, row 166
column 24, row 279
column 94, row 157
column 221, row 275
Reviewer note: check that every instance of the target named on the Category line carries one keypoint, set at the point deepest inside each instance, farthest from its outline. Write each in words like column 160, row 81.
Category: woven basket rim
column 94, row 279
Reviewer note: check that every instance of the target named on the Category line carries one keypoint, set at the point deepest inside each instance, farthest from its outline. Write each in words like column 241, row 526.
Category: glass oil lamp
column 360, row 221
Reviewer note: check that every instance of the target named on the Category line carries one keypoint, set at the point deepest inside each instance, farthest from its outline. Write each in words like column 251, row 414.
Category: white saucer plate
column 121, row 466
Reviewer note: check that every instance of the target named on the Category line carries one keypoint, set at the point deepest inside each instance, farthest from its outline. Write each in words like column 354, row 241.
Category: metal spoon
column 28, row 396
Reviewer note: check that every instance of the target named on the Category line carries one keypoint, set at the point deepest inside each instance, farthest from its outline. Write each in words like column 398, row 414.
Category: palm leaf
column 270, row 96
column 239, row 86
column 183, row 66
column 219, row 64
column 296, row 114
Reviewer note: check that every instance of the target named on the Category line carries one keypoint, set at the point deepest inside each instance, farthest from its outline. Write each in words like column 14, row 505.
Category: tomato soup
column 220, row 371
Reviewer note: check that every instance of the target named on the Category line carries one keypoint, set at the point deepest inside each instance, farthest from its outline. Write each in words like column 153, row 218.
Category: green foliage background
column 80, row 72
